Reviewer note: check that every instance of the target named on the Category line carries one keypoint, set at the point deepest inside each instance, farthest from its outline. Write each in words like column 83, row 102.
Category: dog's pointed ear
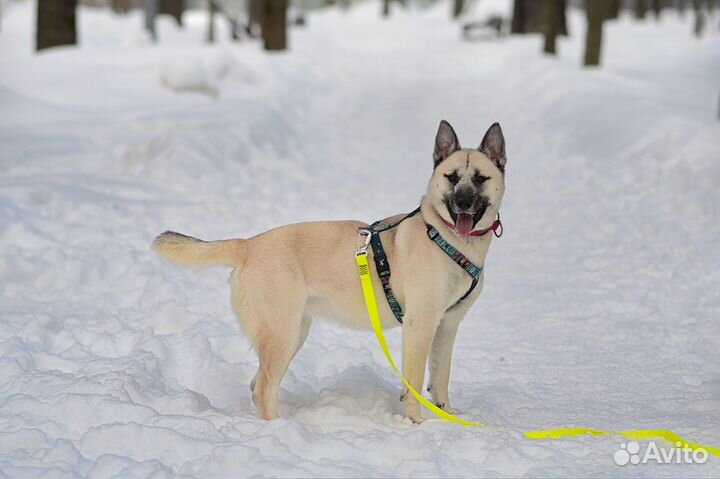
column 493, row 146
column 446, row 143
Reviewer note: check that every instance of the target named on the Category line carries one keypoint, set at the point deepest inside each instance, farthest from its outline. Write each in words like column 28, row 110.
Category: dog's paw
column 416, row 419
column 448, row 409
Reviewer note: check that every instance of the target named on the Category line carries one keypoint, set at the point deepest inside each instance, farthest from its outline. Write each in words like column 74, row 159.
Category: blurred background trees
column 269, row 20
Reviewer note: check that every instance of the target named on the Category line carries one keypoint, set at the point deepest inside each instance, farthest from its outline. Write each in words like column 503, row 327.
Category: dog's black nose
column 464, row 199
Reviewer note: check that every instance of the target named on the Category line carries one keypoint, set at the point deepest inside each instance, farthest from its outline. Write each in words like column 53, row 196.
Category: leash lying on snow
column 361, row 258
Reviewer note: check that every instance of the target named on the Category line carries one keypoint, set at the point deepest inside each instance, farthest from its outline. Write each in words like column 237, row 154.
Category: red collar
column 496, row 228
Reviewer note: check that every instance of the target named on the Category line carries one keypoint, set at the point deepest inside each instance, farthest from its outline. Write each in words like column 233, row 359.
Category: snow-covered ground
column 601, row 301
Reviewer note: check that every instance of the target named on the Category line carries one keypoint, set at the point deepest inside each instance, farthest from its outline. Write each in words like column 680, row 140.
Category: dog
column 285, row 277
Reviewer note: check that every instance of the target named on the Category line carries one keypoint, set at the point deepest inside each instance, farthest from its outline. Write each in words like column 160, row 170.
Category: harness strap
column 383, row 268
column 383, row 265
column 381, row 262
column 473, row 270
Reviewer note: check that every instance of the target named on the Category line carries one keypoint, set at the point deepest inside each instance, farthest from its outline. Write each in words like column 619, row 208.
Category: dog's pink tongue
column 464, row 224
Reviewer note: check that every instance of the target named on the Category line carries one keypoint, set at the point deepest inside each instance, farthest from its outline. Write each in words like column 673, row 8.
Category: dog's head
column 468, row 184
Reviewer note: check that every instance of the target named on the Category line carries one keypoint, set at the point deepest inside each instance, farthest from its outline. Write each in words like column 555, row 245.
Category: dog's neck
column 475, row 248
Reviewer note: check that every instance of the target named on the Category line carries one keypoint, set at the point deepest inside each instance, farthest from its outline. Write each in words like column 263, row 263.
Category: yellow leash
column 371, row 303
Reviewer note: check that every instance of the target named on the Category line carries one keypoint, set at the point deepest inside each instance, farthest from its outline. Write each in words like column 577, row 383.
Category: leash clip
column 362, row 250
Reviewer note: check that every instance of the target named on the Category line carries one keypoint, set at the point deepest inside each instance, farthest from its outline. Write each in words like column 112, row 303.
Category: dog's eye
column 453, row 177
column 479, row 179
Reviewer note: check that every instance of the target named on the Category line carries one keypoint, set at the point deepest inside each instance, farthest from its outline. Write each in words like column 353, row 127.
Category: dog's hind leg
column 270, row 311
column 304, row 330
column 275, row 355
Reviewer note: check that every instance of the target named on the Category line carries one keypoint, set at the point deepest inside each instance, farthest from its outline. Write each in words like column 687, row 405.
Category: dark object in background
column 595, row 11
column 458, row 6
column 174, row 8
column 550, row 18
column 152, row 8
column 657, row 8
column 640, row 9
column 525, row 13
column 120, row 6
column 489, row 29
column 212, row 10
column 56, row 23
column 526, row 17
column 274, row 24
column 612, row 9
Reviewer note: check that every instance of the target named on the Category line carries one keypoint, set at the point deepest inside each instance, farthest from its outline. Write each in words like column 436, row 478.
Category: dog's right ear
column 446, row 143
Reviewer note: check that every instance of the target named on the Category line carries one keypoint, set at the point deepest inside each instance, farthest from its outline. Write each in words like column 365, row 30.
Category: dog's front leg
column 418, row 331
column 440, row 360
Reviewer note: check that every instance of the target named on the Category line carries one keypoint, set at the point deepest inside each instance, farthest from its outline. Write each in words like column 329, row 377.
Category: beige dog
column 286, row 276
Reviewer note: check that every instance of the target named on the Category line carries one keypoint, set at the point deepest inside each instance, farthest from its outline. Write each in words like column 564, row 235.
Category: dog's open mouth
column 465, row 222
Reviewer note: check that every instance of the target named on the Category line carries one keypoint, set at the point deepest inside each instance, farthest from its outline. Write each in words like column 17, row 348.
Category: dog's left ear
column 446, row 143
column 493, row 146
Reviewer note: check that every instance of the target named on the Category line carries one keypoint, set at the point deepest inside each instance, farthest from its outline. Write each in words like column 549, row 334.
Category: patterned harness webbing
column 459, row 258
column 383, row 265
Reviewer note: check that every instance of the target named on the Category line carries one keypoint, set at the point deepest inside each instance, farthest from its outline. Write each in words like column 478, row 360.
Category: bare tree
column 549, row 23
column 254, row 14
column 56, row 24
column 699, row 25
column 657, row 8
column 274, row 24
column 681, row 5
column 527, row 13
column 212, row 10
column 174, row 8
column 151, row 10
column 612, row 9
column 458, row 6
column 595, row 12
column 120, row 6
column 640, row 9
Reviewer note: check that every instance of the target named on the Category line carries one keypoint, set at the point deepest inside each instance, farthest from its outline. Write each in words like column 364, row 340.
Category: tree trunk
column 594, row 10
column 612, row 9
column 562, row 18
column 55, row 23
column 151, row 10
column 525, row 16
column 518, row 19
column 386, row 8
column 640, row 9
column 255, row 15
column 699, row 18
column 549, row 23
column 234, row 26
column 212, row 10
column 173, row 8
column 458, row 8
column 274, row 25
column 681, row 5
column 657, row 8
column 120, row 6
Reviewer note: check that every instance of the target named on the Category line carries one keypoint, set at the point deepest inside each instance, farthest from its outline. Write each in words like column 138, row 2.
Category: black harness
column 383, row 266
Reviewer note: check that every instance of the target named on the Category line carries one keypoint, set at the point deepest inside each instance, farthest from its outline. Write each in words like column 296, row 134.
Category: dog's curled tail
column 188, row 251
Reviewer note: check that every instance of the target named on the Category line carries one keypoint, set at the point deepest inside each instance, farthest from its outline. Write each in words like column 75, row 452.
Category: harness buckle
column 362, row 249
